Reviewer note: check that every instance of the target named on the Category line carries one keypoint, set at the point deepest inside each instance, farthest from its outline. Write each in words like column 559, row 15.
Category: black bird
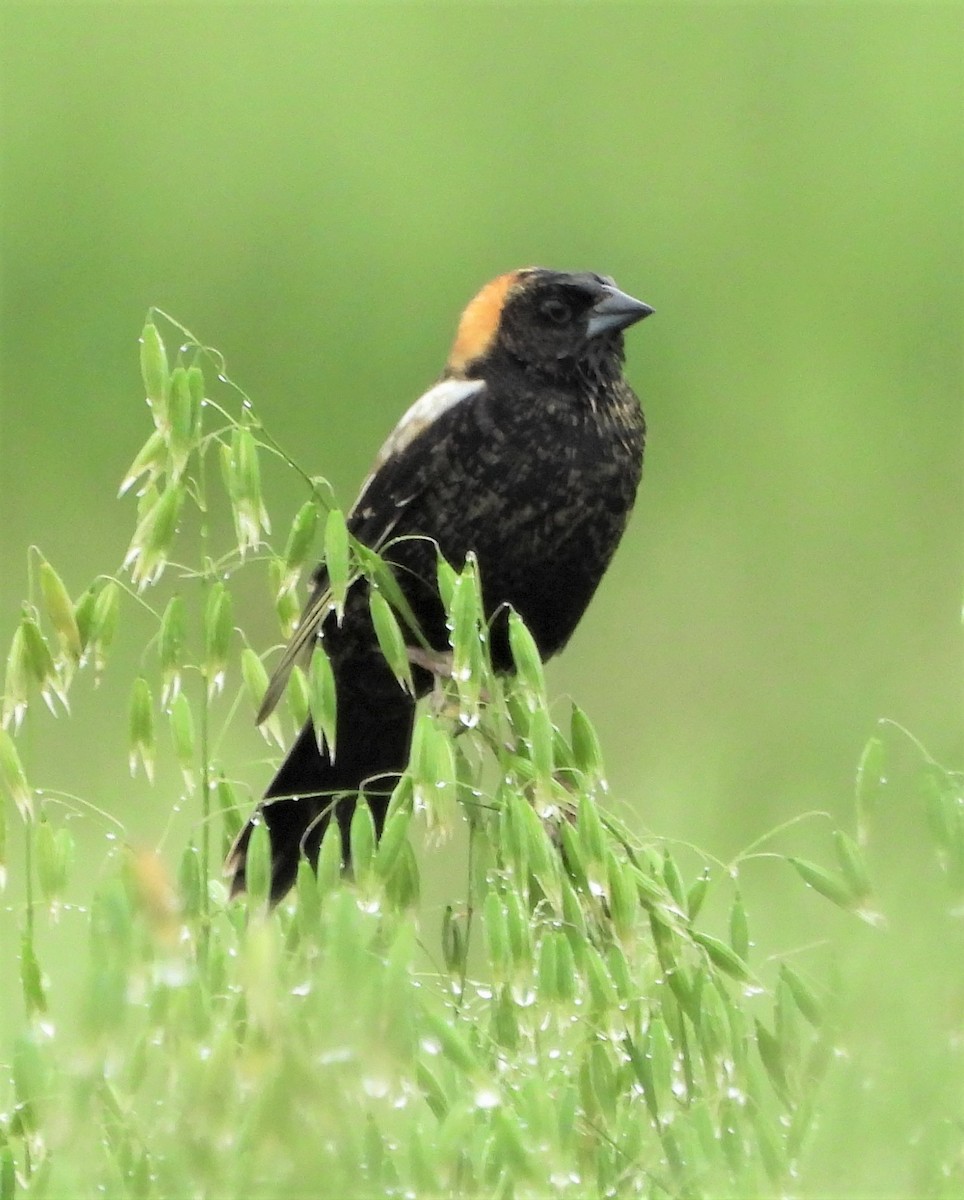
column 527, row 451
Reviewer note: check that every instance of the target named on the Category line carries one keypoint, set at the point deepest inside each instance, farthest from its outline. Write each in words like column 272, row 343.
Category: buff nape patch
column 480, row 321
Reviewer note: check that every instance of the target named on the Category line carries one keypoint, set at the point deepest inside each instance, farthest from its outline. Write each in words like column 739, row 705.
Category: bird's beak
column 615, row 310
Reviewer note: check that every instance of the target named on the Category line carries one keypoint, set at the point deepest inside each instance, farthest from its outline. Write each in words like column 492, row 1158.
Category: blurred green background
column 317, row 190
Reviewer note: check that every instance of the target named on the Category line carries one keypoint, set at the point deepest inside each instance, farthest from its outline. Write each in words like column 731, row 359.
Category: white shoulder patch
column 424, row 412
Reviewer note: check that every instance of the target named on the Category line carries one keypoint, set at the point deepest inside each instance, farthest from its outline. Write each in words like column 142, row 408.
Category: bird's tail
column 371, row 745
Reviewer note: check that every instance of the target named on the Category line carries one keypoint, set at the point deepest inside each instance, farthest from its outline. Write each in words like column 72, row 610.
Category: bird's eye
column 557, row 311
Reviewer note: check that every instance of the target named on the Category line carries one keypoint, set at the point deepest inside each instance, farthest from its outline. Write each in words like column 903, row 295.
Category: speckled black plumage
column 535, row 470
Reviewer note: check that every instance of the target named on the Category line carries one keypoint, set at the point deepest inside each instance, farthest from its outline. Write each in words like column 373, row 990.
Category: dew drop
column 487, row 1097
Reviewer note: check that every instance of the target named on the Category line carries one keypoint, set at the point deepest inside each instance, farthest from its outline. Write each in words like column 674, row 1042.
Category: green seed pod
column 853, row 866
column 84, row 613
column 190, row 881
column 470, row 680
column 242, row 477
column 288, row 610
column 518, row 927
column 525, row 655
column 565, row 765
column 362, row 840
column 513, row 842
column 538, row 852
column 433, row 773
column 403, row 888
column 229, row 474
column 181, row 421
column 322, row 699
column 739, row 929
column 772, row 1058
column 390, row 640
column 623, row 899
column 659, row 1051
column 823, row 882
column 643, row 1069
column 257, row 871
column 391, row 842
column 572, row 912
column 195, row 383
column 618, row 969
column 255, row 676
column 309, row 900
column 182, row 735
column 573, row 857
column 297, row 696
column 505, row 1020
column 540, row 743
column 464, row 620
column 673, row 880
column 247, row 465
column 453, row 1044
column 375, row 569
column 256, row 684
column 301, row 538
column 170, row 647
column 337, row 558
column 546, row 970
column 44, row 858
column 453, row 942
column 150, row 460
column 13, row 778
column 147, row 498
column 330, row 859
column 517, row 711
column 141, row 738
column 230, row 808
column 803, row 996
column 31, row 980
column 39, row 661
column 164, row 524
column 786, row 1020
column 402, row 797
column 602, row 994
column 511, row 1144
column 697, row 894
column 55, row 852
column 871, row 781
column 566, row 982
column 16, row 686
column 496, row 935
column 722, row 956
column 154, row 535
column 154, row 372
column 586, row 750
column 713, row 1026
column 590, row 831
column 731, row 1122
column 218, row 630
column 60, row 610
column 446, row 575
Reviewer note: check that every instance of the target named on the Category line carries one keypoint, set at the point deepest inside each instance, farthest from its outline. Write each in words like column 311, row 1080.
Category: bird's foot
column 436, row 662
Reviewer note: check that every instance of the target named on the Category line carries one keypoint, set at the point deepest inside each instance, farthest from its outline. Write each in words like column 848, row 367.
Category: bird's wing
column 396, row 478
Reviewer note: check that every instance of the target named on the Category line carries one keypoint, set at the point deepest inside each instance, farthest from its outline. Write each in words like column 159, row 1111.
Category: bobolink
column 528, row 451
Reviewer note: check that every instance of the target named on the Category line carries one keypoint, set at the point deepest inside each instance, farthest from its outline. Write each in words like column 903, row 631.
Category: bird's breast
column 540, row 491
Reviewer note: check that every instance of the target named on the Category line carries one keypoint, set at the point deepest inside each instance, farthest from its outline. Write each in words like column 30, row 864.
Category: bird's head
column 549, row 322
